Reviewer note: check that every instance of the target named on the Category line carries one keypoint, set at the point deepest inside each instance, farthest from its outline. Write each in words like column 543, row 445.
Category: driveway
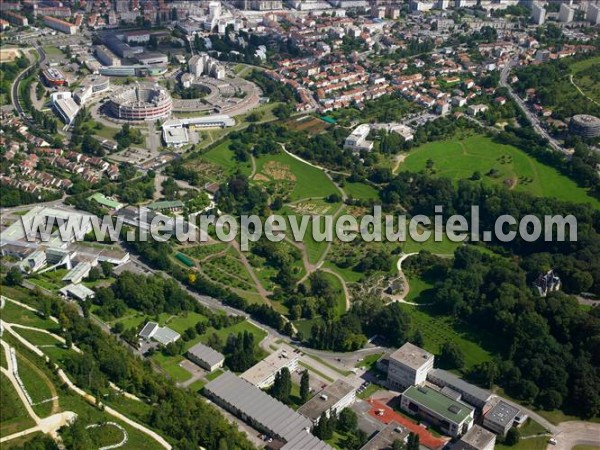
column 570, row 434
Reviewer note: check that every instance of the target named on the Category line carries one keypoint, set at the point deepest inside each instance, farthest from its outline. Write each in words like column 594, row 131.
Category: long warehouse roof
column 264, row 409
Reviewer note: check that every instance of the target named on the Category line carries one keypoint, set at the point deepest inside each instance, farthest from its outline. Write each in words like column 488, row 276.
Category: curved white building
column 141, row 102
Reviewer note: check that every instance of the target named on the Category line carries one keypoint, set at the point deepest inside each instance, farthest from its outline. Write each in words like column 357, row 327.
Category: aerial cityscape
column 300, row 224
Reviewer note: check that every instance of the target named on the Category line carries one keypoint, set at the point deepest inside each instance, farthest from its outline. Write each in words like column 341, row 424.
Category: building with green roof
column 105, row 201
column 451, row 416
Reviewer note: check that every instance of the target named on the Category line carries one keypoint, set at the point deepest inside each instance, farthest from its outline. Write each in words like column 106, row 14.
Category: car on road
column 552, row 441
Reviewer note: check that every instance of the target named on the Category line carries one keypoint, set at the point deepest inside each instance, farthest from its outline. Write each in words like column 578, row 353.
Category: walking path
column 52, row 423
column 581, row 92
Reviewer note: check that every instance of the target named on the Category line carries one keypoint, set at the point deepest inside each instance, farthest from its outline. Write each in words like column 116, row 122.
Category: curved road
column 19, row 78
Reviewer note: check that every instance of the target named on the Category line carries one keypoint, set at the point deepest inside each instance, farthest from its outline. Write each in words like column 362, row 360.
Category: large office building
column 451, row 416
column 107, row 57
column 60, row 25
column 263, row 412
column 470, row 393
column 91, row 85
column 65, row 106
column 501, row 417
column 408, row 366
column 263, row 373
column 333, row 399
column 141, row 102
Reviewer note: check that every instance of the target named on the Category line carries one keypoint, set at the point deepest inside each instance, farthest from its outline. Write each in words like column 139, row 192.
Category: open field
column 459, row 159
column 538, row 443
column 295, row 178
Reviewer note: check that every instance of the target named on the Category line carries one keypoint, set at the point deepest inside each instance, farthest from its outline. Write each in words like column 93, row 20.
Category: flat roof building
column 451, row 416
column 205, row 357
column 263, row 412
column 66, row 107
column 77, row 291
column 408, row 366
column 476, row 438
column 385, row 438
column 263, row 373
column 162, row 335
column 60, row 25
column 501, row 417
column 470, row 393
column 334, row 398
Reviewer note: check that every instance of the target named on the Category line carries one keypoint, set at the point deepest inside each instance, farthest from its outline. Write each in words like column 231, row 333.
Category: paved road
column 537, row 126
column 570, row 434
column 17, row 80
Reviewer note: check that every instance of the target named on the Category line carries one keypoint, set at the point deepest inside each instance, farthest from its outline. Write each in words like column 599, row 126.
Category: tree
column 282, row 387
column 451, row 356
column 347, row 420
column 413, row 442
column 304, row 386
column 14, row 277
column 512, row 437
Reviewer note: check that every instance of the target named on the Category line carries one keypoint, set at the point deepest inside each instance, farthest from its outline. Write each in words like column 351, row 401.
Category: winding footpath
column 52, row 423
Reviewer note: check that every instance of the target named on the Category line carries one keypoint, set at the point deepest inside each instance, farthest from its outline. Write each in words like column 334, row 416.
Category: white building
column 566, row 14
column 333, row 399
column 593, row 14
column 474, row 110
column 538, row 13
column 408, row 366
column 163, row 335
column 262, row 374
column 65, row 106
column 357, row 140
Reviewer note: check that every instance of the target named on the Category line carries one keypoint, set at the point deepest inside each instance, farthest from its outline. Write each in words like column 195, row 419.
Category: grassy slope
column 459, row 159
column 310, row 182
column 14, row 416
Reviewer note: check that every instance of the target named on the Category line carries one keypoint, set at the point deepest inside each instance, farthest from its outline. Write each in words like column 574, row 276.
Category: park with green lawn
column 479, row 158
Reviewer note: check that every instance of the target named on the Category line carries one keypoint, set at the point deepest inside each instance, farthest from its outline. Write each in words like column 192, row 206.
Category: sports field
column 497, row 164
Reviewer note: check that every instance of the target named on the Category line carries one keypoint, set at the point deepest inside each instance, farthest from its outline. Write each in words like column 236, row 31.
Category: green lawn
column 419, row 289
column 361, row 191
column 106, row 132
column 459, row 159
column 291, row 176
column 15, row 314
column 35, row 384
column 14, row 416
column 223, row 157
column 170, row 364
column 539, row 443
column 52, row 51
